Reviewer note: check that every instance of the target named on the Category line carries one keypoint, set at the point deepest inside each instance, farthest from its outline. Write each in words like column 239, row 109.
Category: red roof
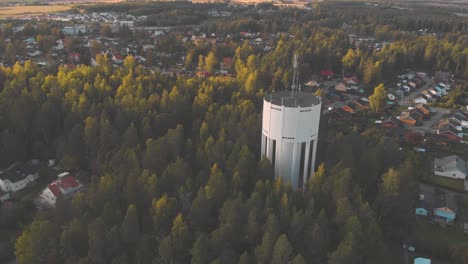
column 55, row 189
column 64, row 185
column 326, row 73
column 227, row 61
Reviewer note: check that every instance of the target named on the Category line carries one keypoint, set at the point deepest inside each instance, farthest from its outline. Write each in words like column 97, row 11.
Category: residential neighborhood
column 136, row 124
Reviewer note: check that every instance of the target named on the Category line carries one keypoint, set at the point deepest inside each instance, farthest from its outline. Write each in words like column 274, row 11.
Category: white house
column 65, row 186
column 451, row 166
column 420, row 99
column 19, row 176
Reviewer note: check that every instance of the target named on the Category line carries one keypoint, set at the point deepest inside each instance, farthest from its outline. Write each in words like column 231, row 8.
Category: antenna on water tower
column 295, row 80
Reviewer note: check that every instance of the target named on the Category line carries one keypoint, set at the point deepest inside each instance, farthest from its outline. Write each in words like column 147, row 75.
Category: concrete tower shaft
column 290, row 127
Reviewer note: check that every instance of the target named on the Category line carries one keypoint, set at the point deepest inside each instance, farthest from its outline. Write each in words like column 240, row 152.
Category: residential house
column 423, row 108
column 451, row 166
column 405, row 88
column 440, row 90
column 444, row 214
column 226, row 64
column 117, row 58
column 409, row 118
column 391, row 122
column 434, row 92
column 391, row 96
column 430, row 97
column 18, row 176
column 461, row 117
column 444, row 85
column 350, row 108
column 34, row 53
column 341, row 87
column 362, row 103
column 407, row 76
column 445, row 122
column 448, row 132
column 420, row 114
column 74, row 30
column 422, row 208
column 422, row 261
column 421, row 99
column 340, row 114
column 412, row 85
column 312, row 83
column 30, row 41
column 64, row 187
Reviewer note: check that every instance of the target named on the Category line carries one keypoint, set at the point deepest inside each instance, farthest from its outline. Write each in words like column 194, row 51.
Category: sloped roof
column 422, row 261
column 451, row 163
column 64, row 185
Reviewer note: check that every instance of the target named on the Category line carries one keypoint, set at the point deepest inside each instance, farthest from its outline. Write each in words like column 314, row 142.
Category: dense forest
column 172, row 166
column 174, row 175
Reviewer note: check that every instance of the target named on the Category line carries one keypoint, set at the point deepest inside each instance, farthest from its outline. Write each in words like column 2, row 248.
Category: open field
column 17, row 11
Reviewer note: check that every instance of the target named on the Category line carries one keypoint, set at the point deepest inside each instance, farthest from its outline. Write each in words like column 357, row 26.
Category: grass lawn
column 17, row 11
column 462, row 203
column 437, row 241
column 453, row 184
column 393, row 254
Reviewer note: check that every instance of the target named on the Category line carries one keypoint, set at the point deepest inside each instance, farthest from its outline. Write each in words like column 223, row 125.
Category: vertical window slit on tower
column 302, row 163
column 310, row 158
column 273, row 156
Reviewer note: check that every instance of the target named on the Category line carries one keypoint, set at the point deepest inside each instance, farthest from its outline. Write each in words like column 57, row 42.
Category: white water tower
column 290, row 126
column 289, row 134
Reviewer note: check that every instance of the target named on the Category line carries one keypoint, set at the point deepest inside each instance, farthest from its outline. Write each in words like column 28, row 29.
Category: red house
column 449, row 133
column 326, row 73
column 350, row 108
column 391, row 122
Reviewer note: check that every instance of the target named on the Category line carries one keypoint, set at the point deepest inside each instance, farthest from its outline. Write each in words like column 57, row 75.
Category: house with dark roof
column 391, row 122
column 448, row 132
column 445, row 122
column 409, row 118
column 362, row 103
column 19, row 175
column 423, row 108
column 340, row 114
column 64, row 187
column 461, row 117
column 420, row 114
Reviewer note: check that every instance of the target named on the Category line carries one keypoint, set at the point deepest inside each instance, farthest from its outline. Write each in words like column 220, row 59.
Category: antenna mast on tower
column 295, row 81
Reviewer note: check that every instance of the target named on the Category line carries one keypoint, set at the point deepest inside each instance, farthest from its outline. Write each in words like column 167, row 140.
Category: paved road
column 426, row 126
column 408, row 99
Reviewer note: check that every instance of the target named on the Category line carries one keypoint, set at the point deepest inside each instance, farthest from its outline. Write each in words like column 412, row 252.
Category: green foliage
column 175, row 177
column 377, row 99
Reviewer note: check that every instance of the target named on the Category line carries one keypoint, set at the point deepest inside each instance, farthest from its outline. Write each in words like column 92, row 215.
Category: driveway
column 450, row 196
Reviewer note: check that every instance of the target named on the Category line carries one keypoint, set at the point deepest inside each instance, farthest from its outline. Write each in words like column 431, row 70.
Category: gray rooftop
column 292, row 99
column 450, row 163
column 19, row 171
